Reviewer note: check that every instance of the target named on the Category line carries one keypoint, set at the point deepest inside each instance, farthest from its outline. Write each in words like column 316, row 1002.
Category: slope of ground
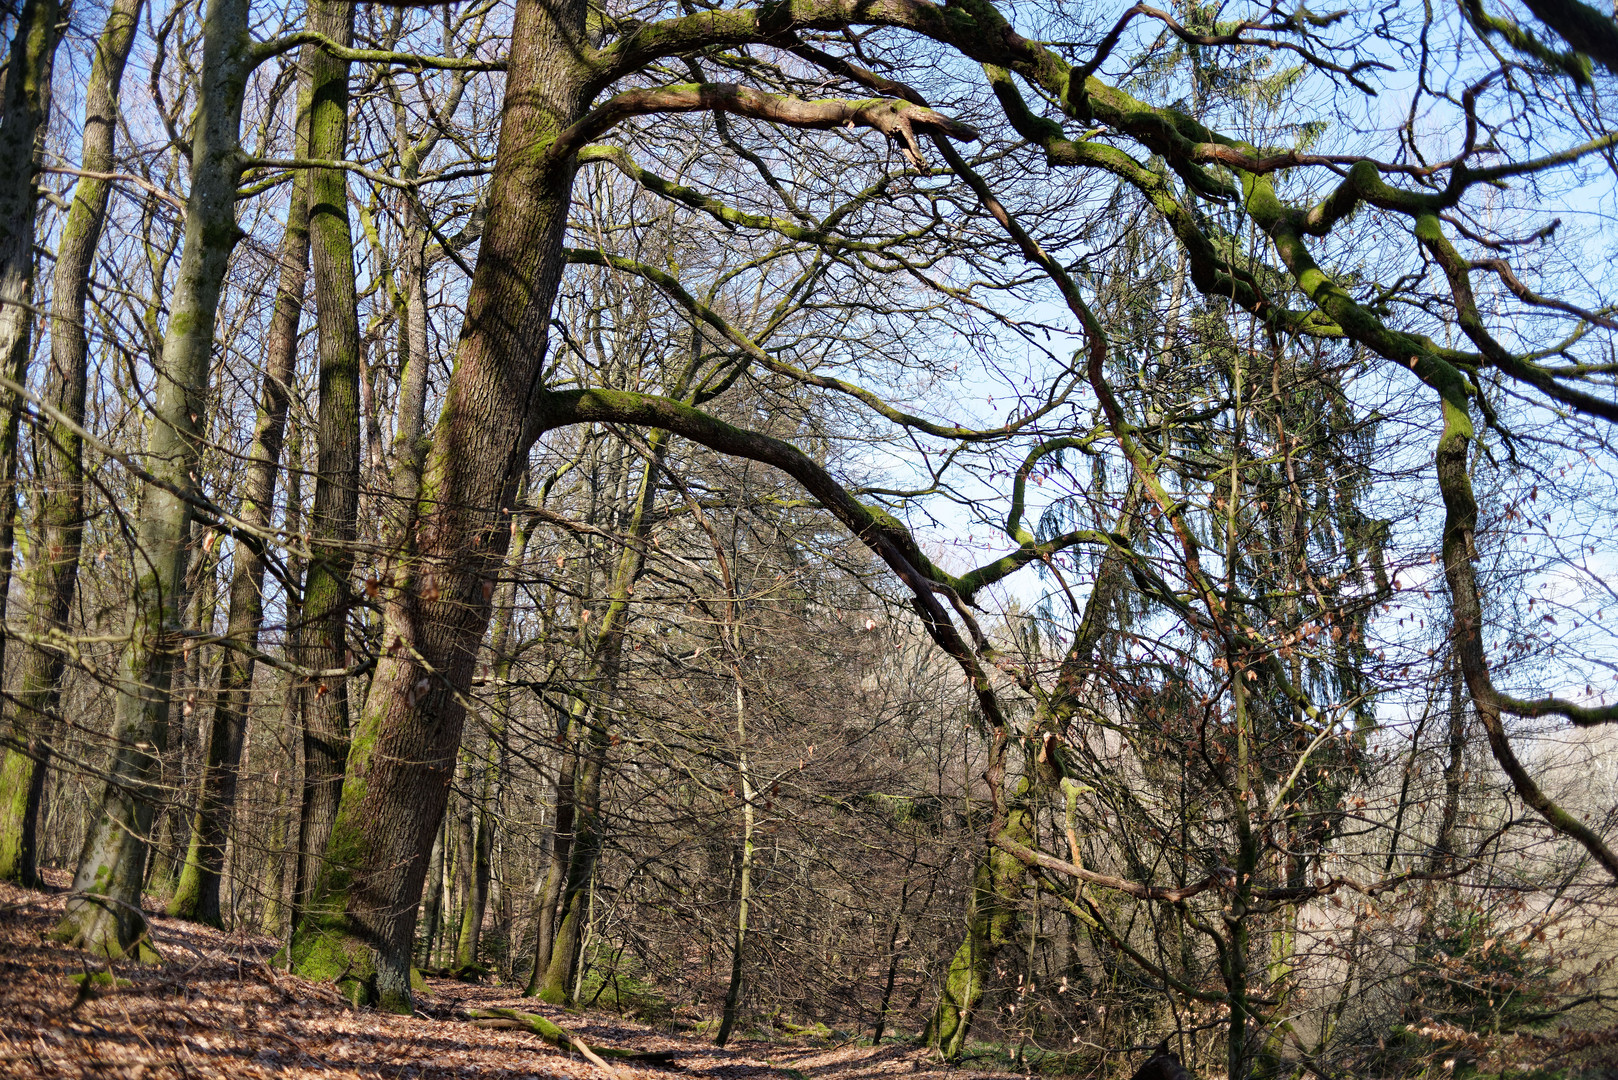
column 215, row 1008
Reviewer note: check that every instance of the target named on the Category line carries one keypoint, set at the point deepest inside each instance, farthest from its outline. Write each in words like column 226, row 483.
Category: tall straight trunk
column 197, row 896
column 432, row 905
column 493, row 761
column 479, row 835
column 439, row 606
column 104, row 914
column 560, row 852
column 291, row 689
column 333, row 517
column 744, row 882
column 24, row 110
column 591, row 737
column 59, row 520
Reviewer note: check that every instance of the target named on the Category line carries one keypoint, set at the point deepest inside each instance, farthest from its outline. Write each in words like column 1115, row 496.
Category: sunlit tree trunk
column 104, row 913
column 438, row 610
column 197, row 896
column 332, row 519
column 59, row 519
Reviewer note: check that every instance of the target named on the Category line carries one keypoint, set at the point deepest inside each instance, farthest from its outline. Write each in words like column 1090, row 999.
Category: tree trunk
column 893, row 960
column 332, row 519
column 589, row 734
column 292, row 692
column 549, row 893
column 24, row 110
column 439, row 606
column 197, row 896
column 744, row 884
column 480, row 835
column 1444, row 842
column 557, row 985
column 432, row 906
column 494, row 761
column 997, row 882
column 59, row 520
column 273, row 909
column 104, row 915
column 991, row 924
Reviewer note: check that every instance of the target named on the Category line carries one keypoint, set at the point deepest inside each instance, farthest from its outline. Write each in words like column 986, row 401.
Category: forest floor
column 215, row 1008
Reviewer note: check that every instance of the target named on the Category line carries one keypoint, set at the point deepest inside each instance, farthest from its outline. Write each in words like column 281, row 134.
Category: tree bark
column 549, row 893
column 59, row 520
column 292, row 692
column 991, row 924
column 332, row 519
column 438, row 609
column 104, row 914
column 998, row 880
column 493, row 766
column 24, row 109
column 590, row 737
column 197, row 896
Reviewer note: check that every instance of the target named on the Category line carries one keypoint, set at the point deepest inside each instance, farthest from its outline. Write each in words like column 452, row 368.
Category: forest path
column 214, row 1008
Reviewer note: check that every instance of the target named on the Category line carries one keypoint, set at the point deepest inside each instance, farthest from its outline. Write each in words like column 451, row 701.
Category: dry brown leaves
column 214, row 1008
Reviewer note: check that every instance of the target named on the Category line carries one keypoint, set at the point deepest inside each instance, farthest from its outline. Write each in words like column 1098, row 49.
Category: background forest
column 1059, row 523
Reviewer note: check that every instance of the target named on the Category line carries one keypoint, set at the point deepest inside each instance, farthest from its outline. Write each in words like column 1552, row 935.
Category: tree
column 1145, row 240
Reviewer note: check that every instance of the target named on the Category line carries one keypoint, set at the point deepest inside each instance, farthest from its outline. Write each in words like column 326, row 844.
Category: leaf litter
column 215, row 1008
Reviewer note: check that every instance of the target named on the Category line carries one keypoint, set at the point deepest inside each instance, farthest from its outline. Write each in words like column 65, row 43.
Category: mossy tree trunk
column 59, row 519
column 992, row 922
column 556, row 986
column 332, row 521
column 438, row 609
column 104, row 914
column 24, row 108
column 998, row 881
column 197, row 895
